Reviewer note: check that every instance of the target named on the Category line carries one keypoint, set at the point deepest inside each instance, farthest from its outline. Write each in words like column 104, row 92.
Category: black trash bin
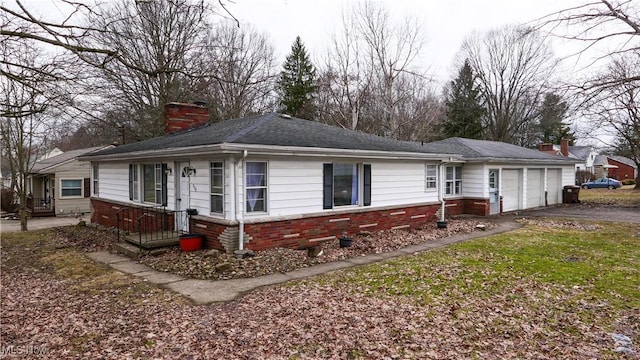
column 570, row 194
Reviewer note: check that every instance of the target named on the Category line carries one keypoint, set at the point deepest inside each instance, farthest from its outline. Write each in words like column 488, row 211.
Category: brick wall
column 306, row 231
column 476, row 207
column 106, row 213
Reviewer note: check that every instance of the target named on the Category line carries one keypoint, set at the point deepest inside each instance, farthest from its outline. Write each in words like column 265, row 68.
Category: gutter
column 229, row 148
column 240, row 201
column 441, row 190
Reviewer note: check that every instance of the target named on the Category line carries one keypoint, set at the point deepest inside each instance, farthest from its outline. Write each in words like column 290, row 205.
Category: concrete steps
column 133, row 251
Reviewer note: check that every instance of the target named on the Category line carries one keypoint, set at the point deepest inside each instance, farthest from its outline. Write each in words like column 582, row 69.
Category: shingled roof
column 272, row 130
column 485, row 150
column 48, row 164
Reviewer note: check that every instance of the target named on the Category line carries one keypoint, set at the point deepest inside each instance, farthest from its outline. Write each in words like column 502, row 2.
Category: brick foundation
column 305, row 231
column 476, row 207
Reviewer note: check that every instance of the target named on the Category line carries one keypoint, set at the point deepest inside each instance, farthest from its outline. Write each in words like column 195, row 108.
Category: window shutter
column 327, row 186
column 164, row 184
column 367, row 185
column 87, row 187
column 130, row 181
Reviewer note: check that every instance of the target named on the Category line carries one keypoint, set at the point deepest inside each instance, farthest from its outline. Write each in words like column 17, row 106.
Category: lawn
column 625, row 196
column 553, row 289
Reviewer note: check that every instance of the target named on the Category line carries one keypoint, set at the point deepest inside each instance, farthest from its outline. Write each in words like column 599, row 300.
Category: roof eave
column 230, row 148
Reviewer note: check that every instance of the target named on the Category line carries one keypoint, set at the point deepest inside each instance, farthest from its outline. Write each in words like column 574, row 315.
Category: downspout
column 441, row 190
column 240, row 202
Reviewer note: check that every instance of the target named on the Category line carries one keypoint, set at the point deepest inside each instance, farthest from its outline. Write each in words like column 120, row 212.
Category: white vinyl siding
column 114, row 181
column 475, row 181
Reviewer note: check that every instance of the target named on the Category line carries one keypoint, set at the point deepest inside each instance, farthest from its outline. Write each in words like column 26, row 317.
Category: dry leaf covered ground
column 552, row 290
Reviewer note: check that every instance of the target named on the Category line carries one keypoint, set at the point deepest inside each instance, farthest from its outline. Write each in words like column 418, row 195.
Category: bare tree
column 513, row 65
column 347, row 76
column 22, row 109
column 613, row 26
column 371, row 79
column 165, row 35
column 616, row 110
column 242, row 64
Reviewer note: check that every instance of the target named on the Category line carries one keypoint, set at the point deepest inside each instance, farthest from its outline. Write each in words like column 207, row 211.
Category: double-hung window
column 256, row 186
column 153, row 184
column 95, row 178
column 216, row 179
column 431, row 177
column 342, row 183
column 71, row 187
column 453, row 180
column 134, row 183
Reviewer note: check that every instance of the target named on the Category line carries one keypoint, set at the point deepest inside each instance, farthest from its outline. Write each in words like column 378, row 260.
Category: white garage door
column 535, row 188
column 554, row 186
column 511, row 189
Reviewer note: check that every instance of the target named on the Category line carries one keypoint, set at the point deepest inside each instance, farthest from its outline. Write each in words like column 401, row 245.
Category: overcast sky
column 445, row 24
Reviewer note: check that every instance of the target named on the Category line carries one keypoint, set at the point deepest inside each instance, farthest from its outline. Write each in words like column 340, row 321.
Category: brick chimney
column 564, row 147
column 182, row 116
column 545, row 147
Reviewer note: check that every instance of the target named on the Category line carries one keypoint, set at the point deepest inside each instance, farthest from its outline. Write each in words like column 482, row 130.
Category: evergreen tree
column 463, row 106
column 296, row 84
column 552, row 113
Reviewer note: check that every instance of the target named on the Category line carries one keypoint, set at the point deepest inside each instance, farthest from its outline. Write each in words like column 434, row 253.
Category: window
column 95, row 179
column 431, row 177
column 256, row 185
column 345, row 184
column 217, row 187
column 453, row 180
column 342, row 185
column 69, row 188
column 134, row 183
column 152, row 183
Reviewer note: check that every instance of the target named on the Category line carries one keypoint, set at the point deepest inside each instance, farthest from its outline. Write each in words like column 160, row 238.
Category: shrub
column 628, row 182
column 583, row 176
column 6, row 200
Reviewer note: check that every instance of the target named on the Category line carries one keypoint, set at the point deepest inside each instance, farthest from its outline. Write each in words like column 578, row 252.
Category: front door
column 182, row 195
column 494, row 194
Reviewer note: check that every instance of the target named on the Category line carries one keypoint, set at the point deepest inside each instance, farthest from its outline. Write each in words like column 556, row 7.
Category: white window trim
column 211, row 194
column 453, row 181
column 359, row 202
column 155, row 184
column 95, row 179
column 246, row 188
column 430, row 178
column 81, row 196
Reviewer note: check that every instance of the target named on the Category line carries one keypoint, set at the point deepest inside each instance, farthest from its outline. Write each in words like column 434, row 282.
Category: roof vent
column 285, row 116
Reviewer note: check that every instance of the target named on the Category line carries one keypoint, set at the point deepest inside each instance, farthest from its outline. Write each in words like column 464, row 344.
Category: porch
column 41, row 207
column 150, row 228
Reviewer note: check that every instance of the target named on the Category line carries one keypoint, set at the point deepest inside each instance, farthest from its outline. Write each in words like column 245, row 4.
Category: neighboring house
column 59, row 185
column 601, row 166
column 275, row 181
column 500, row 177
column 622, row 167
column 586, row 154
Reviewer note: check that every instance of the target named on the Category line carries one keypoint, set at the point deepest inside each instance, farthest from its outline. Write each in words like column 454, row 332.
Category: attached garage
column 554, row 186
column 535, row 188
column 511, row 189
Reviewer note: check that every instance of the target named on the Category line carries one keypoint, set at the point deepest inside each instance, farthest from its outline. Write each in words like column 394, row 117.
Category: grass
column 37, row 252
column 533, row 266
column 625, row 196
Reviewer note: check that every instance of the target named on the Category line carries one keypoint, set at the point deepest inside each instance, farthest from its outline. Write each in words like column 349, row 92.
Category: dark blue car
column 602, row 183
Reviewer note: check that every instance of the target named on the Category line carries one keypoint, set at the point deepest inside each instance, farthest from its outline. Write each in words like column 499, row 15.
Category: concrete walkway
column 9, row 225
column 211, row 291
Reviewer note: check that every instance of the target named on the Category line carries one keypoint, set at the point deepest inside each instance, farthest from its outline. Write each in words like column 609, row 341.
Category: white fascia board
column 232, row 148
